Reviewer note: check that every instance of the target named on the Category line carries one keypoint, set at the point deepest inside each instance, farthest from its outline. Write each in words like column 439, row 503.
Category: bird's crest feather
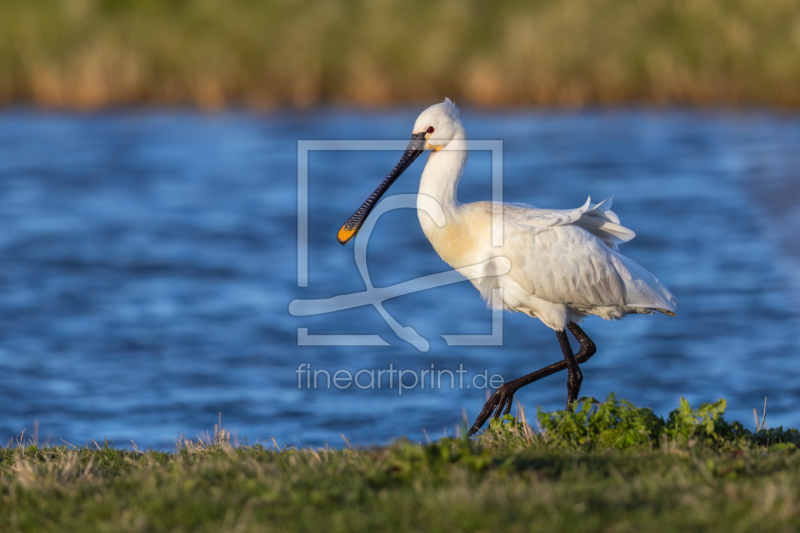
column 455, row 108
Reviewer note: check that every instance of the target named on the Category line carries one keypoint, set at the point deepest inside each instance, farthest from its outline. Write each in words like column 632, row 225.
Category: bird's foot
column 502, row 399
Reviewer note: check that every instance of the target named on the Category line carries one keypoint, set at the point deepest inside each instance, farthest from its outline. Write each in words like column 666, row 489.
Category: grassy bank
column 611, row 467
column 211, row 53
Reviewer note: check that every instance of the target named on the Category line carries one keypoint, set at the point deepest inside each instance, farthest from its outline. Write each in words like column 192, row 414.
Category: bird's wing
column 563, row 264
column 566, row 264
column 570, row 257
column 597, row 219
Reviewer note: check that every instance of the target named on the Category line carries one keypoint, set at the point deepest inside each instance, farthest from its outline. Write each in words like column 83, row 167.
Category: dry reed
column 213, row 53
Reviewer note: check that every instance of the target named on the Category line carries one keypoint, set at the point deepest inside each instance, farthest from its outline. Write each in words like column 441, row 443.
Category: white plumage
column 564, row 264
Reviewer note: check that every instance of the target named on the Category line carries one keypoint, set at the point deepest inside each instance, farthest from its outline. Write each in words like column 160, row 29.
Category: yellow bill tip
column 345, row 235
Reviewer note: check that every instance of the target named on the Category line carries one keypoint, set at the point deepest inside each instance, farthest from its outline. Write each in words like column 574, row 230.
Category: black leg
column 575, row 375
column 588, row 348
column 503, row 397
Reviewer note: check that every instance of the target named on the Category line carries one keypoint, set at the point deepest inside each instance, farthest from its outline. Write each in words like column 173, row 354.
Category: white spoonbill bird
column 564, row 264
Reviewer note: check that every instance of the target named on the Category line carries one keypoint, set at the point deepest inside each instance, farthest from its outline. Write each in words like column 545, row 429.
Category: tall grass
column 90, row 53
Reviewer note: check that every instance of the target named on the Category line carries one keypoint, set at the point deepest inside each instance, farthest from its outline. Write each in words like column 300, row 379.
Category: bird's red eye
column 430, row 129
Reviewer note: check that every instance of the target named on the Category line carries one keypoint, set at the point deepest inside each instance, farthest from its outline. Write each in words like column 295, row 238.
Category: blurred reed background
column 213, row 53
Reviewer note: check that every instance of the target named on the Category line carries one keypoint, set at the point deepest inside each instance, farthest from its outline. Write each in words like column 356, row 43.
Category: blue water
column 148, row 260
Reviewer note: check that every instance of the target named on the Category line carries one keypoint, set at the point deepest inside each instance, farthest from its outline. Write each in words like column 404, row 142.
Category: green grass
column 211, row 53
column 601, row 467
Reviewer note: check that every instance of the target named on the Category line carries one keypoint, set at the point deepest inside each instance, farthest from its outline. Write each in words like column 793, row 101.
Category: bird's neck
column 440, row 181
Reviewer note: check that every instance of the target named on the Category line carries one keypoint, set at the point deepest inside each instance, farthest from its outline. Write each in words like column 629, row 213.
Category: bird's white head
column 440, row 124
column 437, row 128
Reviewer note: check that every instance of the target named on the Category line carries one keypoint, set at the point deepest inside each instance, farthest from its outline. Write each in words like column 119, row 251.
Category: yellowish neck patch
column 435, row 148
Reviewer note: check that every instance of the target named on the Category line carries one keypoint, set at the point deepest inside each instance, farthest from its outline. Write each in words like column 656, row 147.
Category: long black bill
column 353, row 224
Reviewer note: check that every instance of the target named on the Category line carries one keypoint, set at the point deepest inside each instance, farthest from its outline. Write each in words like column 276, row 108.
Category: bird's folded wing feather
column 563, row 264
column 570, row 257
column 597, row 219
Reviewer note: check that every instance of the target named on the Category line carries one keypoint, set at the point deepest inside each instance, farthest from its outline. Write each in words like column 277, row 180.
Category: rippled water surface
column 148, row 260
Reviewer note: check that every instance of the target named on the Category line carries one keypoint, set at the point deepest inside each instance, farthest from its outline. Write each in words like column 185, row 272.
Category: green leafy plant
column 618, row 424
